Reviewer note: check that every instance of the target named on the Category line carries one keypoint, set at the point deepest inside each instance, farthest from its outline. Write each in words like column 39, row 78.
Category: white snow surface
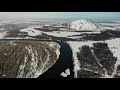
column 46, row 25
column 111, row 24
column 103, row 28
column 2, row 34
column 108, row 26
column 65, row 29
column 19, row 38
column 57, row 50
column 113, row 44
column 34, row 70
column 83, row 24
column 75, row 45
column 67, row 33
column 62, row 34
column 57, row 26
column 63, row 74
column 66, row 73
column 31, row 31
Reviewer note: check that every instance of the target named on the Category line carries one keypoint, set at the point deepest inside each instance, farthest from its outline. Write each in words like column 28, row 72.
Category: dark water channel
column 64, row 62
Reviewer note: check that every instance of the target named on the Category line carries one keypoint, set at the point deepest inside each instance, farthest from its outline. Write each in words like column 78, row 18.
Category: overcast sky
column 108, row 16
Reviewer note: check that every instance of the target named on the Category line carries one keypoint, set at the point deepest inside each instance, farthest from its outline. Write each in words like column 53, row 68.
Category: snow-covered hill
column 28, row 59
column 83, row 24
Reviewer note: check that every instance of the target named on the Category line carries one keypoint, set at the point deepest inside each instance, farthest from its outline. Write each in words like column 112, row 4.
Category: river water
column 64, row 62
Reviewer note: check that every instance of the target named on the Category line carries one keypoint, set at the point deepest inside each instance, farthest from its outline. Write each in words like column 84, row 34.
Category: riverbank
column 64, row 62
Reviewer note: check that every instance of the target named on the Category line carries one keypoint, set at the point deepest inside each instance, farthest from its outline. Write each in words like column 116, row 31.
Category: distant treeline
column 104, row 35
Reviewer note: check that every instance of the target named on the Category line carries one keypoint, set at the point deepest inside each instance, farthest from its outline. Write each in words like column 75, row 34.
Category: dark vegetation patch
column 50, row 37
column 97, row 59
column 75, row 35
column 13, row 30
column 46, row 29
column 83, row 31
column 13, row 26
column 13, row 53
column 117, row 75
column 105, row 56
column 104, row 35
column 16, row 33
column 87, row 60
column 87, row 74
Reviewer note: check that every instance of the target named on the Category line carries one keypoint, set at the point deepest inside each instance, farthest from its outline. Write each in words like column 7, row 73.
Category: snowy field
column 62, row 33
column 67, row 33
column 113, row 44
column 2, row 34
column 75, row 45
column 31, row 31
column 112, row 26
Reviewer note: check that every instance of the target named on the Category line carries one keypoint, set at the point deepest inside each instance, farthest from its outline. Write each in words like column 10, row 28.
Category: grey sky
column 89, row 15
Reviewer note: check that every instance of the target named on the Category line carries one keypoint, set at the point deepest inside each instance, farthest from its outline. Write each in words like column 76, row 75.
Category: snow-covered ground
column 75, row 45
column 66, row 73
column 75, row 37
column 64, row 29
column 62, row 34
column 111, row 26
column 106, row 28
column 113, row 44
column 47, row 25
column 67, row 33
column 52, row 44
column 58, row 26
column 31, row 31
column 2, row 34
column 1, row 29
column 19, row 38
column 35, row 70
column 83, row 24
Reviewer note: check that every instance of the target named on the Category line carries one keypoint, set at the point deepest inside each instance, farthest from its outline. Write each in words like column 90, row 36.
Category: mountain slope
column 19, row 59
column 83, row 24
